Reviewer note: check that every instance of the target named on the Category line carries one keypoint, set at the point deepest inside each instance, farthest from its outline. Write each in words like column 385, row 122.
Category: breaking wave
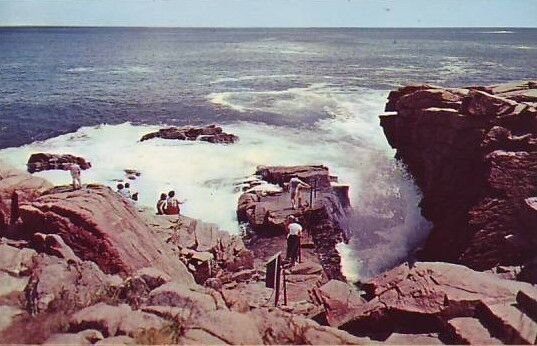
column 343, row 134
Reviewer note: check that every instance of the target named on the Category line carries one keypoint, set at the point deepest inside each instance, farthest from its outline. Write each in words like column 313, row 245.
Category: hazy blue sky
column 271, row 13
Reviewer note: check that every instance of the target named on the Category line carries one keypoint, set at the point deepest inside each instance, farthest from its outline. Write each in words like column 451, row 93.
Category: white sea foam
column 347, row 139
column 200, row 172
column 497, row 32
column 525, row 47
column 251, row 77
column 134, row 69
column 294, row 102
column 79, row 69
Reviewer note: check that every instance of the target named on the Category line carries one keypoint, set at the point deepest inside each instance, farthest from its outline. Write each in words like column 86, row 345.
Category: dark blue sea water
column 54, row 80
column 294, row 96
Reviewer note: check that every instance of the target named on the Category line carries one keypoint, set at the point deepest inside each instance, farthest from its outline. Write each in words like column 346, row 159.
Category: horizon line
column 263, row 27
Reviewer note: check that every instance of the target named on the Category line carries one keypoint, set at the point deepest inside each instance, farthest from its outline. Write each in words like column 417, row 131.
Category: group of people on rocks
column 169, row 204
column 125, row 191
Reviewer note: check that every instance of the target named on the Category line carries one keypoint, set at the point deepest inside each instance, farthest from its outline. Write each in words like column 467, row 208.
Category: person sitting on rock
column 121, row 190
column 173, row 204
column 294, row 185
column 294, row 230
column 161, row 204
column 75, row 175
column 127, row 190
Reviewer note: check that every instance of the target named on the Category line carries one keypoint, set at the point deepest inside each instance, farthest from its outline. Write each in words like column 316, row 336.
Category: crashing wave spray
column 386, row 223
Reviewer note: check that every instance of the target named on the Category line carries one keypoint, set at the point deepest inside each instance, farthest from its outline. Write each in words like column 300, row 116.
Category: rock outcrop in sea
column 473, row 154
column 211, row 134
column 45, row 161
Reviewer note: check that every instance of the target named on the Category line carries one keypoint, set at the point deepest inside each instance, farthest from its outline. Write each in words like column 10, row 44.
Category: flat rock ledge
column 211, row 134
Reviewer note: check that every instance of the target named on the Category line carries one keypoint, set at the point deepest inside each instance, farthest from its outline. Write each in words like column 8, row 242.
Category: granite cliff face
column 473, row 154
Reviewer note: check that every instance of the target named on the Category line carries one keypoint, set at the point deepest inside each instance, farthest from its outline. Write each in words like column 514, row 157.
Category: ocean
column 294, row 96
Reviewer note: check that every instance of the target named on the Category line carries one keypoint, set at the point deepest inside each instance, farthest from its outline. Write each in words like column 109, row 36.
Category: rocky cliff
column 87, row 267
column 473, row 154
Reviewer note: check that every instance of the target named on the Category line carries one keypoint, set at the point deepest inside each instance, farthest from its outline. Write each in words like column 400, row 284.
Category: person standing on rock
column 294, row 230
column 75, row 175
column 294, row 186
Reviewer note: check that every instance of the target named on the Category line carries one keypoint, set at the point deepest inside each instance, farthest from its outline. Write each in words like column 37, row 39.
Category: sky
column 270, row 13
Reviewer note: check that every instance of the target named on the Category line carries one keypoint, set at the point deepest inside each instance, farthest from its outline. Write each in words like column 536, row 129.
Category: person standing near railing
column 294, row 185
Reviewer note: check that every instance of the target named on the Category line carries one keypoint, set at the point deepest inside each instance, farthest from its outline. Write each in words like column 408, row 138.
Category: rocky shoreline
column 88, row 267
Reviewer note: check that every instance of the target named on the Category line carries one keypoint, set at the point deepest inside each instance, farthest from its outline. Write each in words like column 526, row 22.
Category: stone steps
column 509, row 323
column 469, row 330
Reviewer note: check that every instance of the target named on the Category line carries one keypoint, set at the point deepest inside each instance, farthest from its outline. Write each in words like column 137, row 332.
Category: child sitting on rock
column 173, row 204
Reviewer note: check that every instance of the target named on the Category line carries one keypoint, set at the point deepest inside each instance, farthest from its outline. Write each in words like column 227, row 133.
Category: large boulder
column 277, row 327
column 479, row 103
column 58, row 285
column 85, row 337
column 204, row 247
column 197, row 298
column 114, row 320
column 424, row 297
column 17, row 187
column 101, row 226
column 16, row 261
column 340, row 300
column 45, row 161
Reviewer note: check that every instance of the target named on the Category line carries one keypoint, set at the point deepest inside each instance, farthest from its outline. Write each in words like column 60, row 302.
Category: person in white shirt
column 294, row 230
column 75, row 175
column 127, row 190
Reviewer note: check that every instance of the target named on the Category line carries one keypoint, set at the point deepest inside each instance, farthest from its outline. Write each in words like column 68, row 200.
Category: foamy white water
column 349, row 141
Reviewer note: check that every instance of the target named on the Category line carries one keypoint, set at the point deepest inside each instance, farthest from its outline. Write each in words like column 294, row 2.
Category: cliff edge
column 473, row 154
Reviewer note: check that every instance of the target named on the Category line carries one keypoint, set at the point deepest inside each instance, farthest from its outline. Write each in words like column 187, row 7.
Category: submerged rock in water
column 473, row 154
column 211, row 134
column 44, row 162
